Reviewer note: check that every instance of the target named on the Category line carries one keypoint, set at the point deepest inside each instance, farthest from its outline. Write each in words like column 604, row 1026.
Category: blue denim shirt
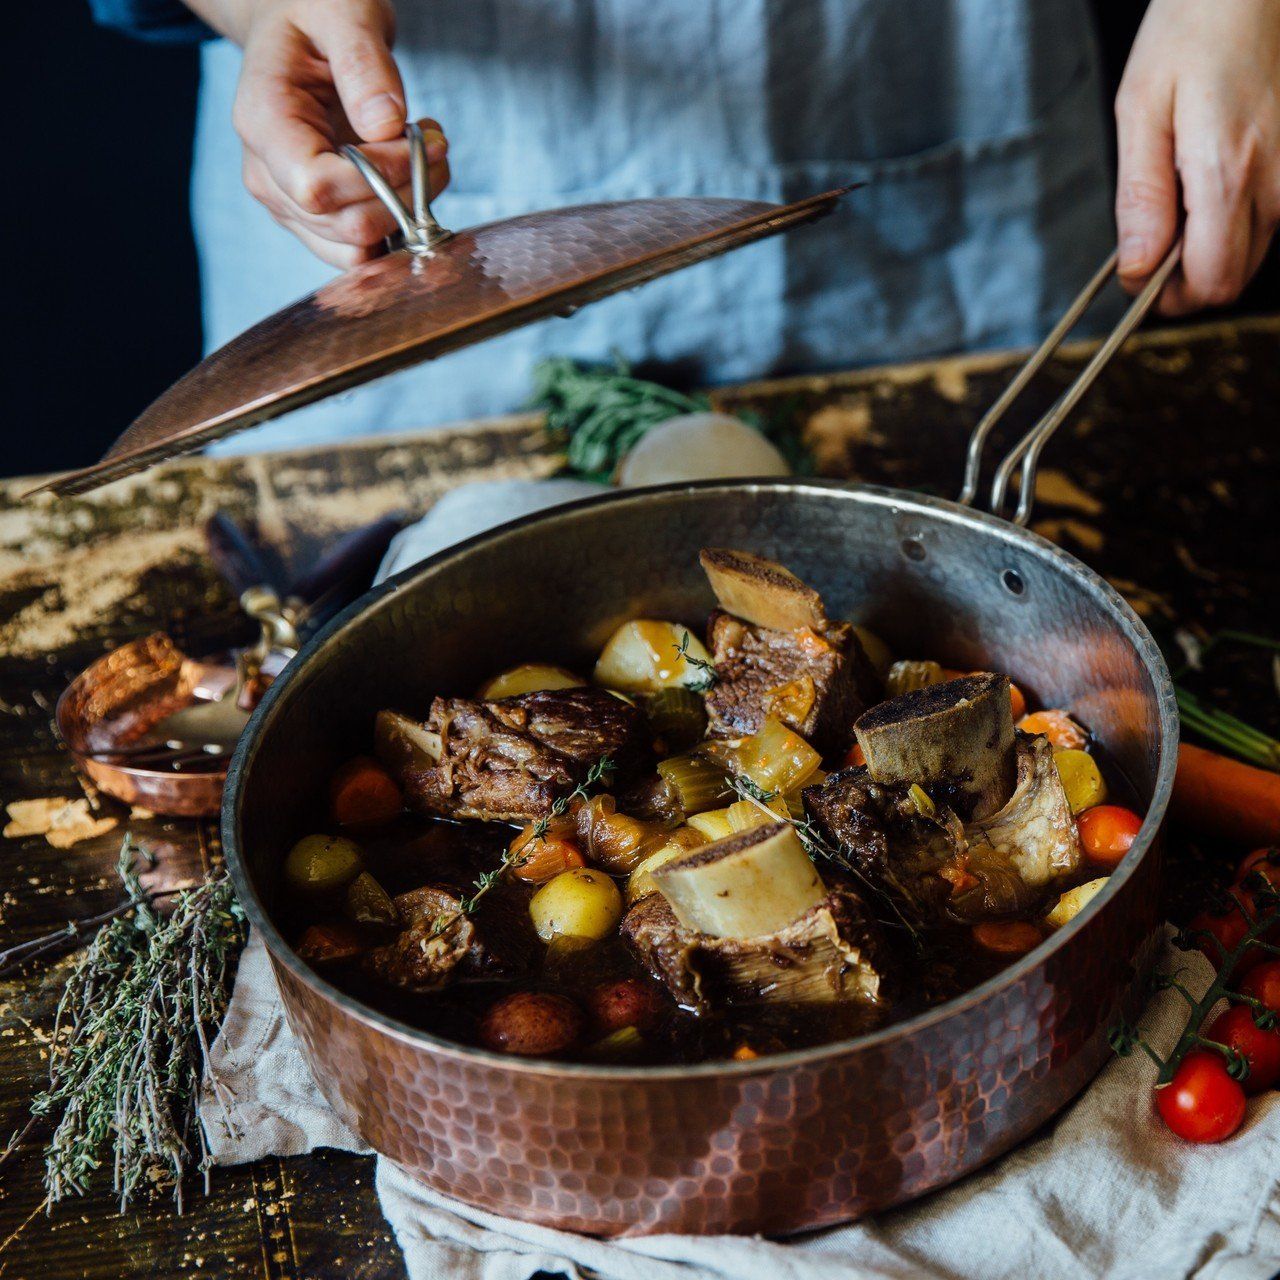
column 977, row 125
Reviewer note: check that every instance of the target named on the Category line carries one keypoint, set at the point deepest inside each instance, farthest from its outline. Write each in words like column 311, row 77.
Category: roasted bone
column 955, row 739
column 510, row 760
column 753, row 883
column 829, row 954
column 776, row 654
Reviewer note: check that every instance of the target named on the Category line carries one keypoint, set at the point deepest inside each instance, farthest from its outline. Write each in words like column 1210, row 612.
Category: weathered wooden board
column 1165, row 481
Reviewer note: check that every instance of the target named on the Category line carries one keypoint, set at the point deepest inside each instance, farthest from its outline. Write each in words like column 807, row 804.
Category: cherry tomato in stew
column 1106, row 833
column 1202, row 1103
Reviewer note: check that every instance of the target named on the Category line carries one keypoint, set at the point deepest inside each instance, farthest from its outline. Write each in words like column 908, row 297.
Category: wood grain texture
column 1164, row 481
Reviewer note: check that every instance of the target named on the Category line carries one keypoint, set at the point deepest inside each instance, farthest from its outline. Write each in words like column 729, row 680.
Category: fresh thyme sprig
column 518, row 854
column 131, row 1039
column 1125, row 1037
column 709, row 677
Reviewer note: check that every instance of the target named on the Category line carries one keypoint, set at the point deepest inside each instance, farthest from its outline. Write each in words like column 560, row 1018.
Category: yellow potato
column 1081, row 779
column 529, row 677
column 581, row 903
column 640, row 882
column 715, row 824
column 323, row 864
column 1073, row 902
column 645, row 655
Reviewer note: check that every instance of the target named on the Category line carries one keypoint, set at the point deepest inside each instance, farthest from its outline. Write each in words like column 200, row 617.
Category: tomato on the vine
column 1264, row 862
column 1202, row 1103
column 1228, row 927
column 1263, row 984
column 1260, row 1049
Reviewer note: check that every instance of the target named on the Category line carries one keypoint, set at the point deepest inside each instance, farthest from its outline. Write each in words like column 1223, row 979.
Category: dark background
column 102, row 283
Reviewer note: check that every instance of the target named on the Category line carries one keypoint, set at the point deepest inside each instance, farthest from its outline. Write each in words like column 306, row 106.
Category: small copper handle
column 1029, row 448
column 418, row 228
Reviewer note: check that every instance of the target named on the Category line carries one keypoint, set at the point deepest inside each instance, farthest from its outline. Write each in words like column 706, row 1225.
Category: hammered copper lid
column 424, row 300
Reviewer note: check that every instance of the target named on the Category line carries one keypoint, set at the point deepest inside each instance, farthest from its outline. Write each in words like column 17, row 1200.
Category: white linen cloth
column 1104, row 1191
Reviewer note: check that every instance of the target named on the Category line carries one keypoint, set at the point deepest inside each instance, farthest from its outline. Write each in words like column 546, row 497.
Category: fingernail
column 380, row 110
column 437, row 145
column 1133, row 254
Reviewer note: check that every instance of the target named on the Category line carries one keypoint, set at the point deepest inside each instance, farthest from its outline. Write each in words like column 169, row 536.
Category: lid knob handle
column 418, row 228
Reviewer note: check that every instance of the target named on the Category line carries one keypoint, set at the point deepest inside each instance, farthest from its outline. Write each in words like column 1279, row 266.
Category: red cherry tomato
column 1229, row 928
column 1263, row 984
column 1261, row 1049
column 1107, row 831
column 1202, row 1103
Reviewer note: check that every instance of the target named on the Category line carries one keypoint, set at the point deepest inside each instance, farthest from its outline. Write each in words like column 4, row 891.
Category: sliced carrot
column 1061, row 730
column 537, row 859
column 745, row 1053
column 362, row 793
column 326, row 943
column 1225, row 797
column 853, row 757
column 1007, row 937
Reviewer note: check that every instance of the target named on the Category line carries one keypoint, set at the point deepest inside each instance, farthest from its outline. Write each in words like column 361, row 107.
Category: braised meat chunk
column 915, row 849
column 829, row 954
column 777, row 654
column 511, row 759
column 440, row 945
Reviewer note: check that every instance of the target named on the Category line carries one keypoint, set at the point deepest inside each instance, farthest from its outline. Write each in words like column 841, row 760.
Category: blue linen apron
column 978, row 125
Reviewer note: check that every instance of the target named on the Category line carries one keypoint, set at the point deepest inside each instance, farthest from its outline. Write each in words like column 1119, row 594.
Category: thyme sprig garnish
column 1125, row 1037
column 131, row 1040
column 518, row 854
column 818, row 847
column 709, row 675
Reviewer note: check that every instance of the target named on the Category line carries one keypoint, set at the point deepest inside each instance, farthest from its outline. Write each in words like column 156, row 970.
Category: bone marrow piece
column 509, row 760
column 830, row 954
column 954, row 739
column 753, row 883
column 777, row 654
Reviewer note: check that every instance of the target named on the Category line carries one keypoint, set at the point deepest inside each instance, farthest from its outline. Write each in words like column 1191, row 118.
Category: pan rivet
column 913, row 549
column 1013, row 582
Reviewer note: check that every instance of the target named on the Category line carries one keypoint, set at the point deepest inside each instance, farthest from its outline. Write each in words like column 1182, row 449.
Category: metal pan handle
column 1029, row 448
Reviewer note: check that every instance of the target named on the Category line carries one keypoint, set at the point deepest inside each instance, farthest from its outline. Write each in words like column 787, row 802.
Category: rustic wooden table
column 1166, row 482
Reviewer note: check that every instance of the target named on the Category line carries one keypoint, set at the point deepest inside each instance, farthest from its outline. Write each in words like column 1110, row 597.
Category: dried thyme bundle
column 131, row 1039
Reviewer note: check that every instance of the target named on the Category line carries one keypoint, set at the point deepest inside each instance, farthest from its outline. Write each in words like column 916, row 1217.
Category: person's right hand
column 316, row 74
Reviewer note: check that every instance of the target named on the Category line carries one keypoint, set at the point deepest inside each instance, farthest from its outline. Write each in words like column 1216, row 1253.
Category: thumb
column 1146, row 190
column 357, row 46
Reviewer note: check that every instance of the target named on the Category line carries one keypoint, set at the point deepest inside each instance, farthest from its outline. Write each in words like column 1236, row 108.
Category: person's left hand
column 1198, row 122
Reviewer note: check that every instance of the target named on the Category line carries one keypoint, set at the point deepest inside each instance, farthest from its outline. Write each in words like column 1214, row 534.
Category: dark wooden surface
column 1165, row 481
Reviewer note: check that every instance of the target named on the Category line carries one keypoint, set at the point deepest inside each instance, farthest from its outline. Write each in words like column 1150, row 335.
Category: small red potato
column 532, row 1024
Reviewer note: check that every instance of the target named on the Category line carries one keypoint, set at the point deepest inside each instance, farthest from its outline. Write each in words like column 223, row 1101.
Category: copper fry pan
column 784, row 1143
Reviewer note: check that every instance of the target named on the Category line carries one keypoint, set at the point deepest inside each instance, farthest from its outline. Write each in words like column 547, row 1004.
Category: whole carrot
column 1225, row 797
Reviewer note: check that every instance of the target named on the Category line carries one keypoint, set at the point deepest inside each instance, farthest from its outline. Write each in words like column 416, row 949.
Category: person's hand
column 316, row 74
column 1198, row 118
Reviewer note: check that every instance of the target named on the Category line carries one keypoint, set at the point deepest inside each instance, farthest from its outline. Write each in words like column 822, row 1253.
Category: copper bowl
column 788, row 1142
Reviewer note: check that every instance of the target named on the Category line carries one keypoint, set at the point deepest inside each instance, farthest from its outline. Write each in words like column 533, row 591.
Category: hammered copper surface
column 400, row 309
column 114, row 702
column 784, row 1143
